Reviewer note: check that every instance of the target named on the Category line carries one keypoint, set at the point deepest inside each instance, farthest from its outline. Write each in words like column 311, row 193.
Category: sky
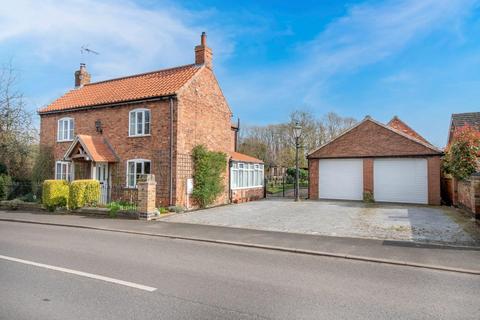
column 419, row 60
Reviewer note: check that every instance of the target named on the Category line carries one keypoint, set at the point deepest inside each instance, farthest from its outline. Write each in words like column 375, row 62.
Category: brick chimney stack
column 203, row 54
column 82, row 77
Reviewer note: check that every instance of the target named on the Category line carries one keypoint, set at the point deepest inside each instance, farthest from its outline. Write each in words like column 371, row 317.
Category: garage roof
column 370, row 138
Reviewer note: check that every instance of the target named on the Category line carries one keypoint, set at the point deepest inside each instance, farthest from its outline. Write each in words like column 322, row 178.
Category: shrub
column 461, row 157
column 113, row 208
column 163, row 210
column 5, row 185
column 302, row 174
column 55, row 194
column 3, row 168
column 42, row 169
column 83, row 193
column 368, row 197
column 209, row 168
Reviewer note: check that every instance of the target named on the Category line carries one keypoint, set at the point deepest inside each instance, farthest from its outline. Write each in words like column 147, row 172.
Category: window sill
column 140, row 135
column 58, row 141
column 243, row 188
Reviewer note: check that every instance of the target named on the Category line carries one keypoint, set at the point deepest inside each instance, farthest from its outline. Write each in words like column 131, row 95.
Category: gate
column 284, row 187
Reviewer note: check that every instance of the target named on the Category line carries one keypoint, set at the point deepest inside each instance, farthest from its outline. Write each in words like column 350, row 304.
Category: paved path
column 195, row 280
column 345, row 219
column 400, row 251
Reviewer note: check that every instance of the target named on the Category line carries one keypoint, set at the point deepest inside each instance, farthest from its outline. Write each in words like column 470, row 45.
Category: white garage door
column 341, row 179
column 400, row 180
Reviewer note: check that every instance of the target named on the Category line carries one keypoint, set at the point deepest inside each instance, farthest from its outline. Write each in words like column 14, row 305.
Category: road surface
column 49, row 272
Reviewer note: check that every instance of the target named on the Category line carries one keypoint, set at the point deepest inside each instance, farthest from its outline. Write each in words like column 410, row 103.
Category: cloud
column 130, row 38
column 367, row 34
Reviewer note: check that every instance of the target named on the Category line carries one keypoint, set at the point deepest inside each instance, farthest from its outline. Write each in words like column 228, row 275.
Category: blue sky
column 419, row 60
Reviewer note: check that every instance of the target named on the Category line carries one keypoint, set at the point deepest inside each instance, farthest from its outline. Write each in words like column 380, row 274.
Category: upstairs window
column 136, row 168
column 65, row 129
column 139, row 122
column 63, row 170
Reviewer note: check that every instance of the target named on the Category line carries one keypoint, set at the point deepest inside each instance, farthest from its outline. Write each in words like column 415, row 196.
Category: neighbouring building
column 392, row 163
column 116, row 130
column 465, row 193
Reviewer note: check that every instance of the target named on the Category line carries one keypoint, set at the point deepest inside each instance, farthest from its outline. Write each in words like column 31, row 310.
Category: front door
column 102, row 177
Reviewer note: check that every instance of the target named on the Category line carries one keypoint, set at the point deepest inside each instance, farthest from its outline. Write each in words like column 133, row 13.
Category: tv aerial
column 86, row 49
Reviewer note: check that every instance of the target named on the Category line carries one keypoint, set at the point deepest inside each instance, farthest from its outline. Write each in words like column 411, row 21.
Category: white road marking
column 82, row 274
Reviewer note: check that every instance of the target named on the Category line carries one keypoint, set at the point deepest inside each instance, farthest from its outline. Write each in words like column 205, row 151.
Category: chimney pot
column 203, row 54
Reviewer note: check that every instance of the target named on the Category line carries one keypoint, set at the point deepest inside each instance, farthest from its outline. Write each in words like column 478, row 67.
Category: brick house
column 391, row 162
column 118, row 129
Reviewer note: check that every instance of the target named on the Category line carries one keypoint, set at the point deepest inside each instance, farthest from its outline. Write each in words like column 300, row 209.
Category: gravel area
column 344, row 219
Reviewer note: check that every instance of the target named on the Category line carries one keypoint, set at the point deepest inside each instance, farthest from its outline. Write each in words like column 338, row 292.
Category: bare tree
column 17, row 133
column 275, row 144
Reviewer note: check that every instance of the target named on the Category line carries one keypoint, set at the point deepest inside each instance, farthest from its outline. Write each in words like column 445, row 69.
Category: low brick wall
column 245, row 195
column 464, row 194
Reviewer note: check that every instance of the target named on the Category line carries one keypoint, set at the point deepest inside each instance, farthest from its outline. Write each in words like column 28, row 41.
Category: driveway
column 344, row 219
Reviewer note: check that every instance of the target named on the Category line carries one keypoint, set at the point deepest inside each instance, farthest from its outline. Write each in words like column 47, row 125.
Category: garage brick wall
column 313, row 178
column 434, row 196
column 368, row 175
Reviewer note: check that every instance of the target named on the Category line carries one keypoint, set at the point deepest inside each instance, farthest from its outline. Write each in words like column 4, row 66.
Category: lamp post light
column 297, row 132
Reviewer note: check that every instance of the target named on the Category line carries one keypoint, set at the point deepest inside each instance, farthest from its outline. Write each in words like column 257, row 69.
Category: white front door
column 341, row 179
column 102, row 177
column 400, row 180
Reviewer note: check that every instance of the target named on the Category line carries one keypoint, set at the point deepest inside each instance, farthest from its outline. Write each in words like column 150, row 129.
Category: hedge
column 83, row 193
column 55, row 194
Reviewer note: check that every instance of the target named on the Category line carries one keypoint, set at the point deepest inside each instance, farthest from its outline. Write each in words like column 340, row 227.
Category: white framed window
column 63, row 170
column 135, row 168
column 65, row 128
column 246, row 175
column 139, row 122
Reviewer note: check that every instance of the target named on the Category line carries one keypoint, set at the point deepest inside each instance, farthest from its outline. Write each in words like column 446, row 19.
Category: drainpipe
column 230, row 164
column 170, row 191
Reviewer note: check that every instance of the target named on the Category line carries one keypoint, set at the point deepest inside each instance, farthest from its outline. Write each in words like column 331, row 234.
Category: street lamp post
column 297, row 132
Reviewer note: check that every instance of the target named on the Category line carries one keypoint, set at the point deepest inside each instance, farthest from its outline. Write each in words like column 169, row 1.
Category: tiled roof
column 388, row 127
column 146, row 85
column 95, row 146
column 399, row 125
column 471, row 118
column 237, row 156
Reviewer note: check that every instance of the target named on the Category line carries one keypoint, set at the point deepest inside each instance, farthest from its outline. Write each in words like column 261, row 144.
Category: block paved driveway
column 344, row 219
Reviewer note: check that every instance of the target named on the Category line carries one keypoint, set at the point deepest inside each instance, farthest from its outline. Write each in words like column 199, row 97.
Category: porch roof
column 96, row 148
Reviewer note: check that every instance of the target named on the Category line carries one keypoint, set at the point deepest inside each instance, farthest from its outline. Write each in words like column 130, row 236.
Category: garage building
column 392, row 162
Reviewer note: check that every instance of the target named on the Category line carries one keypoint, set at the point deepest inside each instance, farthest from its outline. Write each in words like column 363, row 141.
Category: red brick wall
column 464, row 195
column 115, row 130
column 368, row 175
column 245, row 195
column 371, row 140
column 434, row 196
column 204, row 117
column 313, row 175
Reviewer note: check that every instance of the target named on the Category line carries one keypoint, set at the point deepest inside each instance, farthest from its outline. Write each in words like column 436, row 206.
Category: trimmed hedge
column 84, row 193
column 55, row 194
